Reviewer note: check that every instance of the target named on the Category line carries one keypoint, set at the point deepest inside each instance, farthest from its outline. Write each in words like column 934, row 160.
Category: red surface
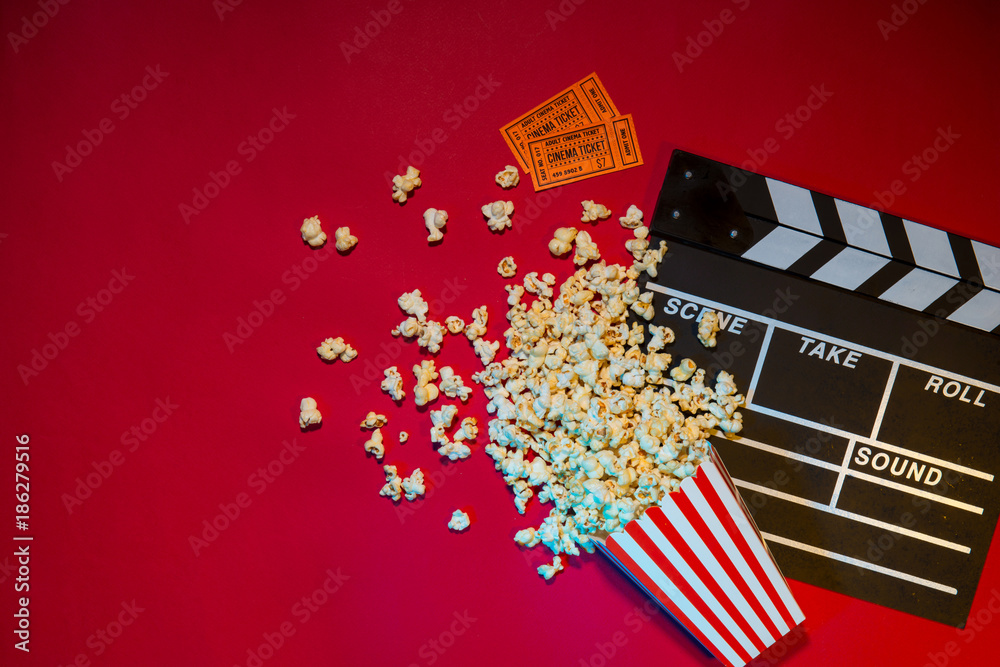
column 407, row 579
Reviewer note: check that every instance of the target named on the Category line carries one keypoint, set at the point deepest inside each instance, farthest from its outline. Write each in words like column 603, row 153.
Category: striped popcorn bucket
column 700, row 556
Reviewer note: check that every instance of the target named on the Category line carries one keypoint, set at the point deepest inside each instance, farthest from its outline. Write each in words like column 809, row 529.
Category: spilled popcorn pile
column 589, row 415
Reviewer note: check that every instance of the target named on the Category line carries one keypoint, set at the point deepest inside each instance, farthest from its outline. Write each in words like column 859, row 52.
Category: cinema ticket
column 586, row 102
column 583, row 152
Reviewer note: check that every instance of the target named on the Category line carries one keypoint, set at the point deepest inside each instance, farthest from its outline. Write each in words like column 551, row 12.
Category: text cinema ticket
column 584, row 103
column 584, row 152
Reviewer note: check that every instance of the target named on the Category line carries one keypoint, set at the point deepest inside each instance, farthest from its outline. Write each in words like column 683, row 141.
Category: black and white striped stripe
column 860, row 249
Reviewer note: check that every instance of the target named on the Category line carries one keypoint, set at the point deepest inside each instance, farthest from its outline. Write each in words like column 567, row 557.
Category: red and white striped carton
column 701, row 557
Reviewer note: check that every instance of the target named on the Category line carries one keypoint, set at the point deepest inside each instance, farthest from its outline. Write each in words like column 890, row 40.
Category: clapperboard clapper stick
column 867, row 348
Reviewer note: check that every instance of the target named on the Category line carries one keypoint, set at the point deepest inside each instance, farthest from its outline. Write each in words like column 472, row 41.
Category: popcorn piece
column 442, row 419
column 331, row 348
column 661, row 336
column 541, row 286
column 509, row 177
column 683, row 371
column 393, row 487
column 455, row 324
column 308, row 413
column 632, row 219
column 409, row 328
column 452, row 386
column 312, row 232
column 425, row 391
column 640, row 243
column 562, row 242
column 459, row 520
column 507, row 268
column 374, row 444
column 477, row 328
column 592, row 211
column 413, row 303
column 349, row 354
column 498, row 215
column 549, row 571
column 468, row 430
column 435, row 220
column 454, row 450
column 586, row 249
column 403, row 437
column 345, row 241
column 393, row 384
column 485, row 350
column 404, row 184
column 413, row 485
column 527, row 537
column 374, row 420
column 650, row 259
column 708, row 326
column 431, row 335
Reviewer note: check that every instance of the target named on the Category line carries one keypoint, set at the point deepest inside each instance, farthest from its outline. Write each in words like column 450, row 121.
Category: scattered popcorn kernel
column 413, row 485
column 459, row 519
column 498, row 215
column 374, row 444
column 404, row 184
column 708, row 326
column 592, row 211
column 507, row 268
column 345, row 241
column 349, row 354
column 455, row 451
column 403, row 437
column 331, row 348
column 640, row 243
column 632, row 219
column 477, row 328
column 431, row 335
column 451, row 384
column 393, row 486
column 312, row 232
column 425, row 391
column 455, row 324
column 485, row 350
column 527, row 537
column 509, row 177
column 467, row 430
column 549, row 571
column 650, row 259
column 683, row 371
column 308, row 414
column 393, row 384
column 586, row 249
column 413, row 303
column 562, row 241
column 435, row 220
column 442, row 418
column 374, row 420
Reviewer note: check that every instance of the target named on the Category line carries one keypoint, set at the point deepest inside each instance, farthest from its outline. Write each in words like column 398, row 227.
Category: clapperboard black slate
column 867, row 348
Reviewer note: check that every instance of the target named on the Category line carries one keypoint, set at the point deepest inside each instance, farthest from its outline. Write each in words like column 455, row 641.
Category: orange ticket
column 583, row 152
column 584, row 103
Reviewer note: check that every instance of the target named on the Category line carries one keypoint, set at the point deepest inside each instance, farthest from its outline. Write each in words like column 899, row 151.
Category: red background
column 162, row 336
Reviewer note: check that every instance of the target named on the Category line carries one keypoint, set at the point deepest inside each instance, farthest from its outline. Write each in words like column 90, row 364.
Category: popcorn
column 345, row 241
column 650, row 259
column 459, row 519
column 509, row 177
column 413, row 485
column 451, row 384
column 586, row 249
column 312, row 232
column 477, row 328
column 308, row 414
column 562, row 242
column 683, row 371
column 454, row 324
column 425, row 391
column 454, row 450
column 485, row 350
column 507, row 268
column 498, row 214
column 640, row 243
column 708, row 326
column 374, row 444
column 403, row 437
column 435, row 221
column 468, row 430
column 632, row 219
column 592, row 211
column 374, row 420
column 431, row 335
column 549, row 571
column 413, row 303
column 393, row 487
column 333, row 348
column 442, row 419
column 405, row 184
column 393, row 384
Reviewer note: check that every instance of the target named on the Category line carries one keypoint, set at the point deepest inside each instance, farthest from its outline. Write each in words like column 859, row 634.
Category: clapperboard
column 867, row 348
